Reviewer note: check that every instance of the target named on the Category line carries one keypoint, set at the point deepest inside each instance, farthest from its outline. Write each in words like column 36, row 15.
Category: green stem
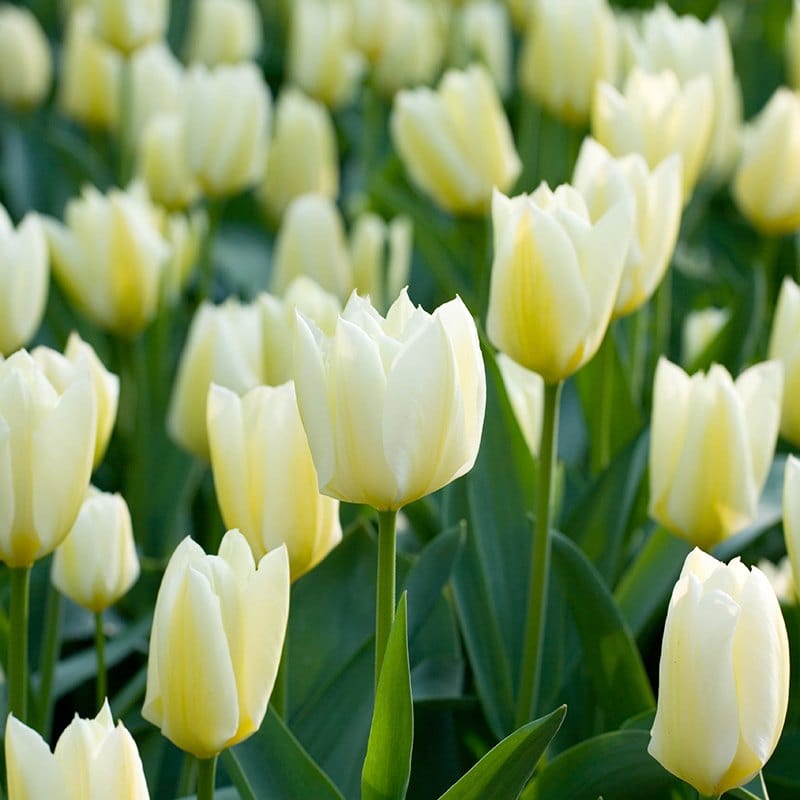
column 206, row 774
column 186, row 781
column 100, row 647
column 707, row 796
column 205, row 283
column 18, row 646
column 384, row 610
column 51, row 645
column 126, row 139
column 540, row 560
column 601, row 453
column 280, row 693
column 641, row 326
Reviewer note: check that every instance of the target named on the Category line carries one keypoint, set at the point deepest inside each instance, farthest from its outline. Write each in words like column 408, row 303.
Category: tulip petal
column 32, row 771
column 791, row 515
column 117, row 770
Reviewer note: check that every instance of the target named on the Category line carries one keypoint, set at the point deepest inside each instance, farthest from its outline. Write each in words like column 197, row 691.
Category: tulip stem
column 205, row 283
column 540, row 560
column 384, row 611
column 206, row 776
column 125, row 143
column 51, row 644
column 18, row 646
column 100, row 647
column 601, row 453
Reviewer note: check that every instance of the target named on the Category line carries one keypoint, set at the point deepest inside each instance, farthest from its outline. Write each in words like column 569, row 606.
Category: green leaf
column 228, row 793
column 503, row 772
column 272, row 765
column 387, row 766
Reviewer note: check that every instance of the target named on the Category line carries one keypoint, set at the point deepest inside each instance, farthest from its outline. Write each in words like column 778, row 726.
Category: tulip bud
column 525, row 390
column 216, row 643
column 128, row 24
column 603, row 181
column 723, row 682
column 393, row 407
column 585, row 29
column 456, row 142
column 185, row 234
column 555, row 277
column 711, row 446
column 656, row 116
column 780, row 578
column 784, row 345
column 26, row 66
column 223, row 346
column 109, row 258
column 700, row 328
column 97, row 563
column 303, row 158
column 224, row 32
column 46, row 449
column 793, row 46
column 80, row 359
column 226, row 126
column 765, row 188
column 24, row 273
column 157, row 78
column 93, row 760
column 264, row 475
column 371, row 25
column 791, row 518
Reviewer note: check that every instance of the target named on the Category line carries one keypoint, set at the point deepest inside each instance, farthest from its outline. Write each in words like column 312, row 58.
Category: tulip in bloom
column 456, row 142
column 24, row 275
column 555, row 277
column 224, row 32
column 264, row 475
column 765, row 186
column 724, row 676
column 711, row 446
column 700, row 328
column 791, row 517
column 93, row 760
column 525, row 390
column 393, row 407
column 216, row 642
column 784, row 345
column 157, row 78
column 128, row 24
column 26, row 66
column 97, row 563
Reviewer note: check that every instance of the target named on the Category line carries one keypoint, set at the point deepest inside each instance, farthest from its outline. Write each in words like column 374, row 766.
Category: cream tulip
column 127, row 25
column 97, row 563
column 711, row 446
column 700, row 328
column 555, row 277
column 791, row 517
column 264, row 475
column 216, row 643
column 24, row 278
column 186, row 234
column 723, row 684
column 603, row 181
column 765, row 186
column 26, row 66
column 157, row 83
column 224, row 32
column 784, row 346
column 93, row 760
column 393, row 407
column 525, row 390
column 456, row 142
column 46, row 450
column 371, row 25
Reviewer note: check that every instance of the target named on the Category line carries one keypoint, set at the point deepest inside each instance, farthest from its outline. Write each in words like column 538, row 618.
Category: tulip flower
column 784, row 345
column 371, row 24
column 224, row 32
column 186, row 234
column 791, row 518
column 456, row 142
column 764, row 187
column 264, row 475
column 92, row 760
column 128, row 24
column 711, row 446
column 24, row 274
column 555, row 277
column 216, row 642
column 723, row 682
column 157, row 78
column 525, row 390
column 793, row 46
column 26, row 66
column 700, row 328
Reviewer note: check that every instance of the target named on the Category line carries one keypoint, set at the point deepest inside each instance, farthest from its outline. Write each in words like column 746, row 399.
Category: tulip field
column 399, row 399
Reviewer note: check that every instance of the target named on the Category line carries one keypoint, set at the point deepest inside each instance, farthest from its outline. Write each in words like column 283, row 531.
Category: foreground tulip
column 784, row 345
column 93, row 760
column 791, row 517
column 224, row 32
column 26, row 66
column 555, row 277
column 215, row 645
column 723, row 683
column 264, row 475
column 456, row 142
column 128, row 24
column 711, row 446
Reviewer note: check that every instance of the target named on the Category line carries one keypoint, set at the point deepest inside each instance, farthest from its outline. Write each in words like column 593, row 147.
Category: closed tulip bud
column 224, row 32
column 723, row 682
column 92, row 760
column 264, row 475
column 321, row 59
column 525, row 390
column 97, row 563
column 793, row 46
column 223, row 346
column 711, row 446
column 215, row 645
column 109, row 258
column 393, row 407
column 371, row 25
column 700, row 328
column 456, row 142
column 128, row 24
column 765, row 187
column 656, row 116
column 303, row 158
column 24, row 275
column 784, row 345
column 157, row 78
column 603, row 181
column 26, row 66
column 80, row 359
column 555, row 277
column 46, row 450
column 226, row 125
column 185, row 234
column 791, row 517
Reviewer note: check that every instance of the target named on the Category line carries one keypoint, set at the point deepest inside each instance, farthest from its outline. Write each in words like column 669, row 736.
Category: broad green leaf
column 228, row 793
column 388, row 763
column 503, row 772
